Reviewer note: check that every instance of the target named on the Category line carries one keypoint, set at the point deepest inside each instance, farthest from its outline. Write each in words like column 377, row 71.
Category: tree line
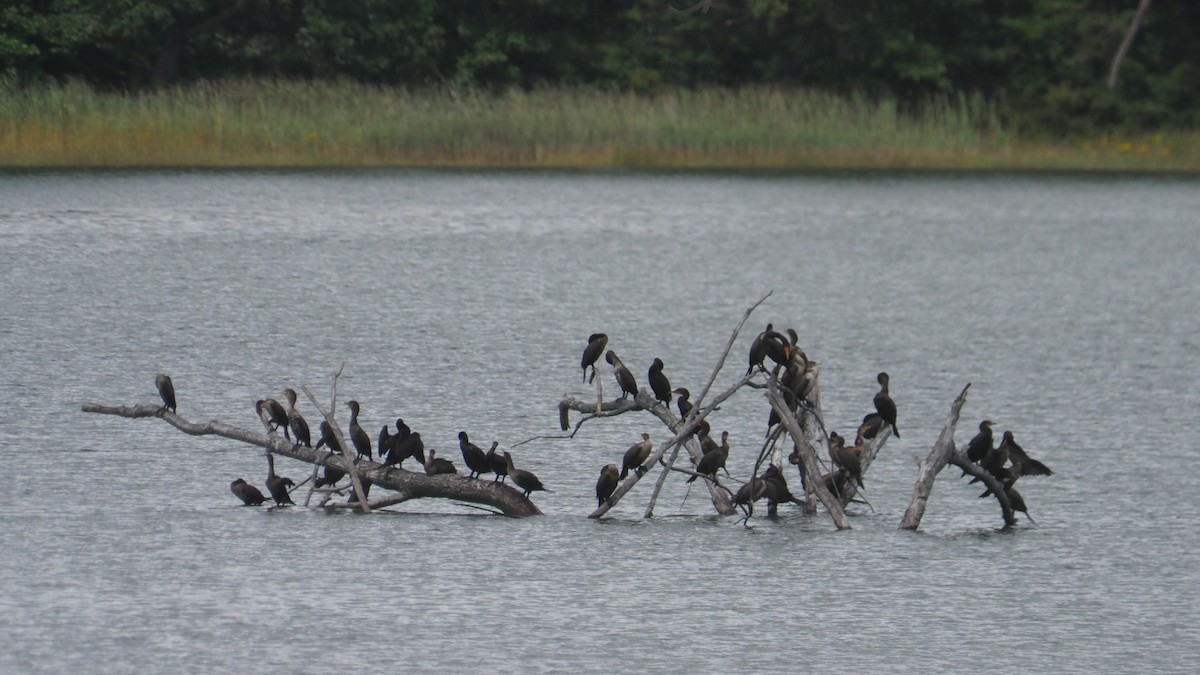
column 1043, row 62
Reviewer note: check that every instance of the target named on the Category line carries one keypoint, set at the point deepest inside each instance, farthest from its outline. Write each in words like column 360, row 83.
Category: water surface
column 463, row 300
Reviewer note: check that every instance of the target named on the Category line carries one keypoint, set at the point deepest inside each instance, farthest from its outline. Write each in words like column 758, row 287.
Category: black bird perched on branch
column 331, row 477
column 1016, row 501
column 436, row 465
column 659, row 383
column 591, row 354
column 981, row 443
column 276, row 415
column 497, row 463
column 523, row 479
column 473, row 457
column 714, row 461
column 872, row 423
column 769, row 344
column 777, row 490
column 166, row 391
column 750, row 492
column 329, row 439
column 684, row 405
column 299, row 426
column 383, row 442
column 624, row 377
column 1021, row 464
column 410, row 445
column 607, row 484
column 278, row 485
column 845, row 458
column 246, row 492
column 636, row 456
column 884, row 405
column 358, row 435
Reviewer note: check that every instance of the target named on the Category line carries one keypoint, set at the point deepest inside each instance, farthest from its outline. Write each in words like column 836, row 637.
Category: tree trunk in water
column 407, row 484
column 943, row 453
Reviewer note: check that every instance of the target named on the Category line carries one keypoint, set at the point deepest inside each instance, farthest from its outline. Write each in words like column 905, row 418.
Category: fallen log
column 407, row 484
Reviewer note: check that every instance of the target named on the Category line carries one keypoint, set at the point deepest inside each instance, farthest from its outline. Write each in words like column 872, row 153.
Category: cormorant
column 884, row 404
column 796, row 355
column 522, row 478
column 777, row 489
column 475, row 458
column 437, row 466
column 750, row 492
column 769, row 344
column 384, row 441
column 871, row 425
column 278, row 485
column 685, row 406
column 410, row 446
column 390, row 455
column 331, row 477
column 659, row 383
column 246, row 492
column 636, row 456
column 166, row 390
column 607, row 485
column 328, row 438
column 996, row 458
column 497, row 463
column 624, row 377
column 591, row 354
column 358, row 435
column 757, row 353
column 1016, row 501
column 981, row 444
column 1022, row 463
column 714, row 461
column 845, row 458
column 299, row 426
column 276, row 415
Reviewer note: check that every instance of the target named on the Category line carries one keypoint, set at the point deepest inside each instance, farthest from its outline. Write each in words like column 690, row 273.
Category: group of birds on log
column 393, row 449
column 1005, row 462
column 797, row 383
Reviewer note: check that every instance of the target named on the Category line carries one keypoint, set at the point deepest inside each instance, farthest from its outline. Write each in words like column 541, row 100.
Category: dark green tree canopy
column 1043, row 61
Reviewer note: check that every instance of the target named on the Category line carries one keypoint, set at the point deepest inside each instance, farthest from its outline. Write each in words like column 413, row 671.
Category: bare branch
column 808, row 456
column 941, row 453
column 1127, row 42
column 408, row 484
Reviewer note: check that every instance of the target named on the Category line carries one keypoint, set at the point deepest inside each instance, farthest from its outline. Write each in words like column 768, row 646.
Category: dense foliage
column 1042, row 62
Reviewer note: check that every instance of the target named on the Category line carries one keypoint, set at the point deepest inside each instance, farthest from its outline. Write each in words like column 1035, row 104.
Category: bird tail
column 895, row 431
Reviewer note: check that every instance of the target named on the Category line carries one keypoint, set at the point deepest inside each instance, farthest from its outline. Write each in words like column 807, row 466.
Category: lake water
column 463, row 301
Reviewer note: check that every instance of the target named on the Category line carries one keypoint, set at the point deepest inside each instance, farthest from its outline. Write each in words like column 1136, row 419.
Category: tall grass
column 269, row 123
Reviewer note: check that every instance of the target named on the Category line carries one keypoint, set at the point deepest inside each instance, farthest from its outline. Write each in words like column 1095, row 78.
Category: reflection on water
column 462, row 301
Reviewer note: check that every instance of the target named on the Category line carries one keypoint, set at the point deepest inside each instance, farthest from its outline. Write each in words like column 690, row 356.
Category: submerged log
column 944, row 452
column 407, row 484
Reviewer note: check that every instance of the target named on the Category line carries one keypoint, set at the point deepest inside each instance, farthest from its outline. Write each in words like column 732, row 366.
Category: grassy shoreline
column 265, row 124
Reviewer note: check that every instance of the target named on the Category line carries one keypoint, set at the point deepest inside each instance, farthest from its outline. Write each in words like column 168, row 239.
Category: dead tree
column 683, row 430
column 406, row 484
column 1114, row 69
column 944, row 452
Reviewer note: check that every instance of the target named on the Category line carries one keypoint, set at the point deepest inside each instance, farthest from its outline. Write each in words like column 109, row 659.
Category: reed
column 300, row 124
